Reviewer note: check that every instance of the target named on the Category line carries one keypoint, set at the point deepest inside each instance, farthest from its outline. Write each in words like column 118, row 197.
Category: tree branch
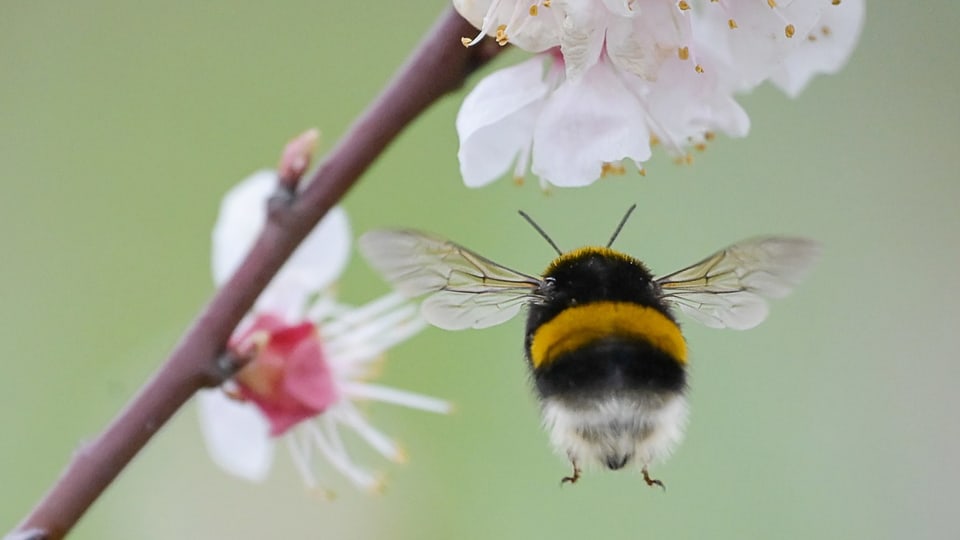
column 439, row 65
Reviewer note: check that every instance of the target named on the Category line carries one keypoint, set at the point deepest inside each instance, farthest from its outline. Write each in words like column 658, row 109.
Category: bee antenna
column 541, row 231
column 622, row 222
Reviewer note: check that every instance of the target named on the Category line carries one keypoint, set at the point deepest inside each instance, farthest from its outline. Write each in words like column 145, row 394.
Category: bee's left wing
column 729, row 288
column 466, row 290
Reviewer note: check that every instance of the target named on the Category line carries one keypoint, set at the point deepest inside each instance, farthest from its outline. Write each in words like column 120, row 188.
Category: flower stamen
column 612, row 169
column 377, row 440
column 301, row 461
column 393, row 396
column 335, row 453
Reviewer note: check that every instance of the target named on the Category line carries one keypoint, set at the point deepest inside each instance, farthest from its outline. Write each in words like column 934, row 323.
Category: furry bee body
column 607, row 360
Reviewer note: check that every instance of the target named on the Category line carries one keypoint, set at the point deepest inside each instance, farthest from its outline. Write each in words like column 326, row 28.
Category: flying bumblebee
column 606, row 355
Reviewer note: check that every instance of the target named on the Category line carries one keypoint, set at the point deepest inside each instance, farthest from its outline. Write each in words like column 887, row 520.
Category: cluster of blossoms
column 615, row 77
column 310, row 355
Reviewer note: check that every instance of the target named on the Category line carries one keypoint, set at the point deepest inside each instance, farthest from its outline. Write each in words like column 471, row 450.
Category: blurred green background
column 122, row 124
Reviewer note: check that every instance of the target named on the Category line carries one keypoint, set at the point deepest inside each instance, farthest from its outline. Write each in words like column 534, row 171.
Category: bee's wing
column 466, row 290
column 729, row 288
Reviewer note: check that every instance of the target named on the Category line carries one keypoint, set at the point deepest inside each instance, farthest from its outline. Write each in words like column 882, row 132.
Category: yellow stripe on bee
column 579, row 326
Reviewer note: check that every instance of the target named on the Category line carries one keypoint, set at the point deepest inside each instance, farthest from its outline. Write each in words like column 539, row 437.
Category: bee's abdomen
column 610, row 366
column 603, row 347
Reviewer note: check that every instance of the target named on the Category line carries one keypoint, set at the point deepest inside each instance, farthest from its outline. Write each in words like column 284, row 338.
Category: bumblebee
column 606, row 355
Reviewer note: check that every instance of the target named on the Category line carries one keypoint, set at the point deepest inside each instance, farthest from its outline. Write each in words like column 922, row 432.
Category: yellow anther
column 835, row 2
column 641, row 171
column 609, row 169
column 731, row 23
column 533, row 10
column 683, row 53
column 789, row 30
column 709, row 135
column 466, row 41
column 698, row 68
column 811, row 37
column 546, row 3
column 772, row 3
column 518, row 181
column 502, row 38
column 825, row 31
column 654, row 140
column 700, row 147
column 688, row 159
column 683, row 5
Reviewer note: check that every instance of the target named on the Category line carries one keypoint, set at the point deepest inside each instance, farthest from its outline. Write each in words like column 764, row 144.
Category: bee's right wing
column 466, row 290
column 730, row 288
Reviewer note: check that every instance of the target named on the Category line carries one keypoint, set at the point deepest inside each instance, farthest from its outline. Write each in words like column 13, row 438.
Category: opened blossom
column 310, row 357
column 616, row 77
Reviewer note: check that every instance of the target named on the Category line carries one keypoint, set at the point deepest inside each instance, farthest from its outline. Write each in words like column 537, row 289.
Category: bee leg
column 572, row 479
column 652, row 481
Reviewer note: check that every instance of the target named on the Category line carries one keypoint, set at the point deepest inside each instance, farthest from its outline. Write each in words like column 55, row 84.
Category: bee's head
column 598, row 273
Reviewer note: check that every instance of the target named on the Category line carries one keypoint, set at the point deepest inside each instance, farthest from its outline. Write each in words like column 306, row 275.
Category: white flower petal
column 236, row 434
column 242, row 214
column 495, row 122
column 625, row 8
column 582, row 36
column 639, row 45
column 315, row 265
column 472, row 10
column 748, row 54
column 588, row 123
column 825, row 50
column 684, row 105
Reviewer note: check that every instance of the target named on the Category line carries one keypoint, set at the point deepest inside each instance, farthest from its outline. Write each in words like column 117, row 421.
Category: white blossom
column 342, row 348
column 614, row 77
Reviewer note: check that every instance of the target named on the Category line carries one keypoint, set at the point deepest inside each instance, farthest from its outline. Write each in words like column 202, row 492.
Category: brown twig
column 439, row 65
